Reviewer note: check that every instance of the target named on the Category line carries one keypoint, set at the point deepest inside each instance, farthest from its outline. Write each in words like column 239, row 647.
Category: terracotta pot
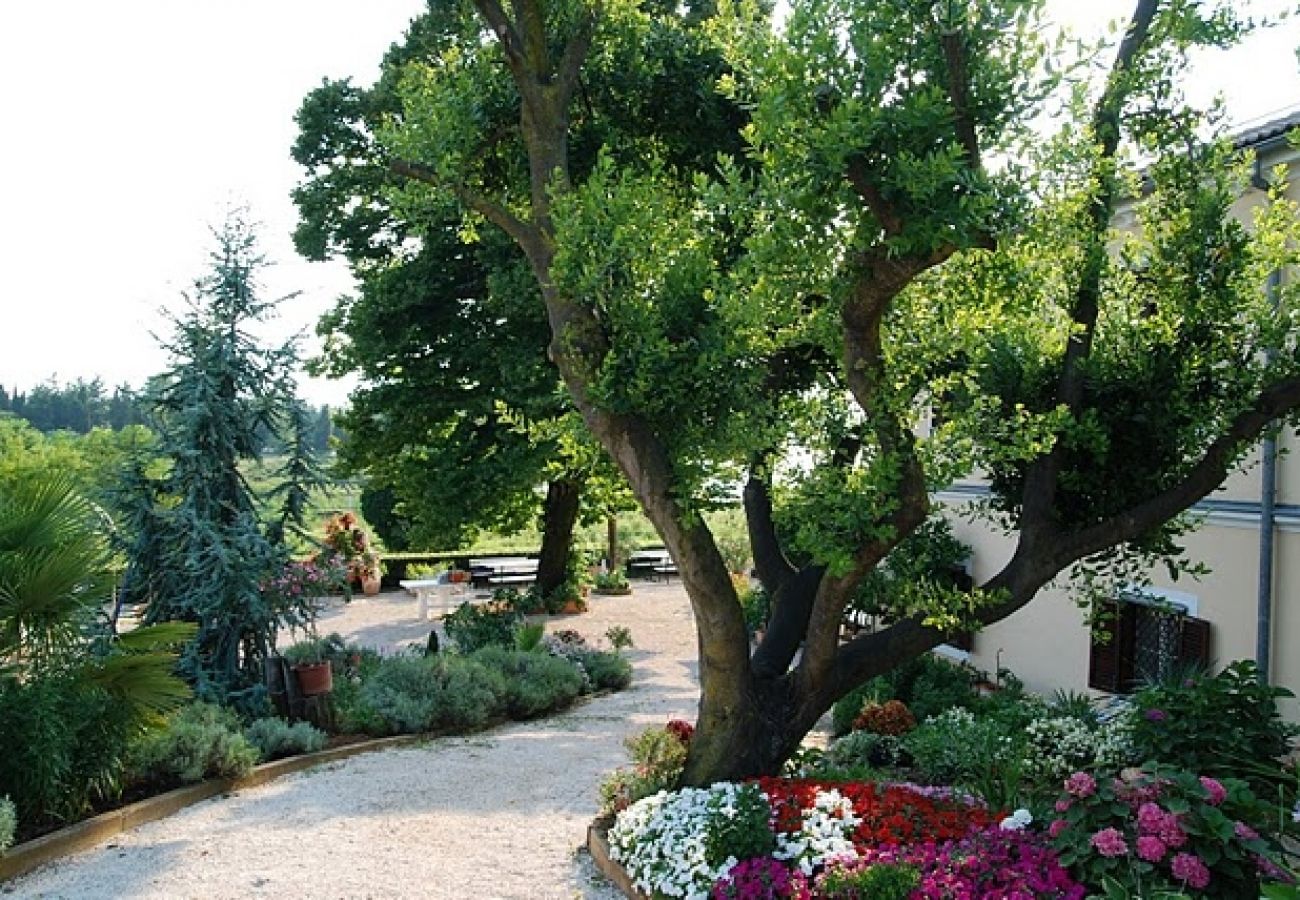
column 370, row 585
column 571, row 607
column 314, row 678
column 458, row 576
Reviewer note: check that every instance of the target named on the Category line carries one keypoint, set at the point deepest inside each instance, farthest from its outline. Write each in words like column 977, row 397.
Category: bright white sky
column 134, row 125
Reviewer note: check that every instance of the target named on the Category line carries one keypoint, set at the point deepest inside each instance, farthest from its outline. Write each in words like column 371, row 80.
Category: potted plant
column 309, row 660
column 613, row 583
column 370, row 571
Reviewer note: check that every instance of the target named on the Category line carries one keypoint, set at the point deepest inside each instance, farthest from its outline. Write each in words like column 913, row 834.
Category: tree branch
column 774, row 568
column 575, row 53
column 954, row 53
column 1039, row 498
column 520, row 231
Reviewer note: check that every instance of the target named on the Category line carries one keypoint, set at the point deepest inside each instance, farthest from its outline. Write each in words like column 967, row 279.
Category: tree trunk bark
column 749, row 739
column 559, row 516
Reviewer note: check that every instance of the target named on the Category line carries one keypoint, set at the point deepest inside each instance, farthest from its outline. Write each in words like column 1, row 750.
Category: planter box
column 614, row 592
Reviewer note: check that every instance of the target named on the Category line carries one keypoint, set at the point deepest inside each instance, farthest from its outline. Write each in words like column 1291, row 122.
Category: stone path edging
column 22, row 858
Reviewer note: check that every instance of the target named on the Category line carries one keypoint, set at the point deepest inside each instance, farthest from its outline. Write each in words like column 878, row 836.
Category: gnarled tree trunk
column 559, row 516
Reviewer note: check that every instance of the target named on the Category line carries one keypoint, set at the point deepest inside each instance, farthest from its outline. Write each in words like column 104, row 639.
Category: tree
column 459, row 417
column 200, row 551
column 797, row 319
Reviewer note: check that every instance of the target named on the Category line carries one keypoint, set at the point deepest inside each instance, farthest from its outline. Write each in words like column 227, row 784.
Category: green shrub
column 409, row 695
column 201, row 741
column 65, row 746
column 849, row 880
column 938, row 686
column 535, row 683
column 472, row 626
column 754, row 606
column 528, row 638
column 1226, row 725
column 619, row 637
column 275, row 738
column 607, row 671
column 659, row 756
column 863, row 750
column 849, row 707
column 8, row 824
column 957, row 748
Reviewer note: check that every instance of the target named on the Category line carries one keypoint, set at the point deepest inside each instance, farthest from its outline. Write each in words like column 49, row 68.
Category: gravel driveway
column 499, row 814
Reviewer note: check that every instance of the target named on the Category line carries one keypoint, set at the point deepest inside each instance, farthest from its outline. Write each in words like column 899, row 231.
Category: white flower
column 1017, row 821
column 1295, row 813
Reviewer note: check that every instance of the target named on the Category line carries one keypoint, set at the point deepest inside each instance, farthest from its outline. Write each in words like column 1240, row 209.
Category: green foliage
column 658, row 757
column 611, row 581
column 607, row 671
column 8, row 824
column 1226, row 724
column 882, row 881
column 201, row 741
column 535, row 683
column 927, row 684
column 76, row 407
column 91, row 461
column 200, row 552
column 754, row 605
column 410, row 694
column 738, row 828
column 275, row 738
column 65, row 746
column 957, row 748
column 863, row 750
column 619, row 637
column 528, row 638
column 473, row 626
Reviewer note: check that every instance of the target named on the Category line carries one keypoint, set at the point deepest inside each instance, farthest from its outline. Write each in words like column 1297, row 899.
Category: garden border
column 598, row 847
column 23, row 858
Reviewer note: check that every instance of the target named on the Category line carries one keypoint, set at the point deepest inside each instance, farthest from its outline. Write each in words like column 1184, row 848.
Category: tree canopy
column 922, row 218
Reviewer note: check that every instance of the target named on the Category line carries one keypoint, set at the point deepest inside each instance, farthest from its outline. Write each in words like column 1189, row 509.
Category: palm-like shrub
column 72, row 695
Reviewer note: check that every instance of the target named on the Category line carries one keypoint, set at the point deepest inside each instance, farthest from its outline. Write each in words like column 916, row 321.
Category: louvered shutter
column 1194, row 642
column 1110, row 662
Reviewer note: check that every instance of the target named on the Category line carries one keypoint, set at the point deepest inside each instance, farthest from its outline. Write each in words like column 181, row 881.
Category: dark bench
column 653, row 563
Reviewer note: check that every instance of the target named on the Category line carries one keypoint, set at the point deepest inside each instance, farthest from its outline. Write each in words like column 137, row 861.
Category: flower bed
column 782, row 837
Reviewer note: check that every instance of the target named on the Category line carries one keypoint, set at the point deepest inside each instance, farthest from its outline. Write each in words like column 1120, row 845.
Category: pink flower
column 1151, row 848
column 1244, row 831
column 1062, row 805
column 1216, row 790
column 1081, row 785
column 1109, row 842
column 1172, row 832
column 1151, row 818
column 1057, row 826
column 1188, row 868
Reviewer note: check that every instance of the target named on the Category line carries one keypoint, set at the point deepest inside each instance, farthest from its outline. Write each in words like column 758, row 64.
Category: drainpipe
column 1267, row 501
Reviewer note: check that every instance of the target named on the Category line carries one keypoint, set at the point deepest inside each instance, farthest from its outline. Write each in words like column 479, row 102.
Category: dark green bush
column 201, row 741
column 472, row 626
column 64, row 746
column 535, row 682
column 1226, row 725
column 275, row 738
column 607, row 671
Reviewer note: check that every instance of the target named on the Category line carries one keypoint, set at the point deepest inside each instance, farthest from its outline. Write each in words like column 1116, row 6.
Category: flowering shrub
column 1057, row 746
column 891, row 718
column 990, row 864
column 682, row 844
column 347, row 543
column 300, row 582
column 658, row 757
column 1225, row 725
column 1174, row 831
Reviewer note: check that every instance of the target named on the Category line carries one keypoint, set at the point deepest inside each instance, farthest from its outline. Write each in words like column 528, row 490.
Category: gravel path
column 498, row 814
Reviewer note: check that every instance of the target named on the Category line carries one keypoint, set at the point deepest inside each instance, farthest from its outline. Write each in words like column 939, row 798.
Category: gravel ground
column 498, row 814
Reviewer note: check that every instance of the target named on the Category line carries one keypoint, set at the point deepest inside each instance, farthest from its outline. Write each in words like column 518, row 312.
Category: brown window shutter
column 1194, row 642
column 1110, row 662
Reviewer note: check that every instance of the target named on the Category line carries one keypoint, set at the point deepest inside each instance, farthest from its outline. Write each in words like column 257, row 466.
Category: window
column 1143, row 637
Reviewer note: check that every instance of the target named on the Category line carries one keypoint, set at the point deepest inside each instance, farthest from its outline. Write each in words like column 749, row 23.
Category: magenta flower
column 1058, row 825
column 1151, row 818
column 1188, row 868
column 1062, row 805
column 1151, row 848
column 1244, row 831
column 1109, row 842
column 1216, row 790
column 1081, row 785
column 1155, row 715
